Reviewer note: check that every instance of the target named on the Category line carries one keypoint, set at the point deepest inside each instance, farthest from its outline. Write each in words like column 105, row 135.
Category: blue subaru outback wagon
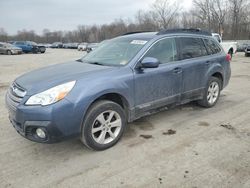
column 124, row 79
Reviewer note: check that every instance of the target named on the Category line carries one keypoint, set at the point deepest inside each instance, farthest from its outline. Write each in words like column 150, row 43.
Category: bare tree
column 164, row 12
column 219, row 10
column 3, row 35
column 204, row 13
column 239, row 11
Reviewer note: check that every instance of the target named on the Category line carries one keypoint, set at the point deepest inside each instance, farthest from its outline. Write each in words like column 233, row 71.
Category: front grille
column 15, row 95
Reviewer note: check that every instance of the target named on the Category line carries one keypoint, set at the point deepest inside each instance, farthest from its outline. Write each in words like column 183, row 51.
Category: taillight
column 228, row 57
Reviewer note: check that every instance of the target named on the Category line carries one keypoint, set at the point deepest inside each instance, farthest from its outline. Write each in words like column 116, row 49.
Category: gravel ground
column 187, row 146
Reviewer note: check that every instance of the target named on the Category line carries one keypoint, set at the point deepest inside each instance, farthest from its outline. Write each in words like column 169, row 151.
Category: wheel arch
column 114, row 97
column 219, row 76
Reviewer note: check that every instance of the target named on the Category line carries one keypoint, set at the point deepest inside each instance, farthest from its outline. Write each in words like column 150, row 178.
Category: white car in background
column 82, row 46
column 229, row 47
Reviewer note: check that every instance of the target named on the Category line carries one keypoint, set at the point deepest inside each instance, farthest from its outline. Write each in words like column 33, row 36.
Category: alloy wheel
column 106, row 127
column 213, row 93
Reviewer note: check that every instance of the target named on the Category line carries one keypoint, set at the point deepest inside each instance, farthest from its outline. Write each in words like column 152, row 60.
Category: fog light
column 40, row 133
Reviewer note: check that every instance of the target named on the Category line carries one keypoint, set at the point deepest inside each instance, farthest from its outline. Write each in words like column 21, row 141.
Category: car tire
column 103, row 125
column 8, row 52
column 212, row 93
column 231, row 53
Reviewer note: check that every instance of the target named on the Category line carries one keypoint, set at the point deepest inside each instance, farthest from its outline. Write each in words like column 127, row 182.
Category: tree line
column 230, row 18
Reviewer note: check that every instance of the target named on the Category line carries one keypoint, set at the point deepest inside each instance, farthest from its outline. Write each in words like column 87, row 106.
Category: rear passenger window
column 164, row 50
column 212, row 47
column 192, row 48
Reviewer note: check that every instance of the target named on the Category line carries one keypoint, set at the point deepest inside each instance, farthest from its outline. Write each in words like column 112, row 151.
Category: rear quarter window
column 212, row 46
column 192, row 48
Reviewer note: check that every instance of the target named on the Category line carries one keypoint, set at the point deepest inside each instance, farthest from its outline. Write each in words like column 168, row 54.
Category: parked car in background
column 29, row 46
column 82, row 46
column 247, row 51
column 46, row 45
column 66, row 45
column 74, row 45
column 241, row 47
column 124, row 79
column 91, row 46
column 70, row 45
column 57, row 45
column 9, row 49
column 229, row 47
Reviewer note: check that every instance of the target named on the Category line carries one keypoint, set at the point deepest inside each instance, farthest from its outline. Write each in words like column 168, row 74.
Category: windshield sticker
column 140, row 42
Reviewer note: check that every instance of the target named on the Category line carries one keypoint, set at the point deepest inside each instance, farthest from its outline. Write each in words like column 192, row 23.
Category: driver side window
column 164, row 50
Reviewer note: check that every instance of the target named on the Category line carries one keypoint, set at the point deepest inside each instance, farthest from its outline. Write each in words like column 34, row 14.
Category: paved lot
column 211, row 147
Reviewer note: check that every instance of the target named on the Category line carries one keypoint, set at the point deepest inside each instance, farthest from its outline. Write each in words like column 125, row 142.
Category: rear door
column 194, row 65
column 156, row 87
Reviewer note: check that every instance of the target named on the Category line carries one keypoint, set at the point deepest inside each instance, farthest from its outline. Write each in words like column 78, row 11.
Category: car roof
column 167, row 32
column 140, row 35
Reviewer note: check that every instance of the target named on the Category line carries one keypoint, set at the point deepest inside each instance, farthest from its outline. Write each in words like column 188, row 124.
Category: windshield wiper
column 79, row 60
column 96, row 63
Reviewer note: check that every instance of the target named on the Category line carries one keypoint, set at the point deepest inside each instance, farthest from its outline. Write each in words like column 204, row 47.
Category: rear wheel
column 103, row 125
column 231, row 53
column 212, row 93
column 8, row 52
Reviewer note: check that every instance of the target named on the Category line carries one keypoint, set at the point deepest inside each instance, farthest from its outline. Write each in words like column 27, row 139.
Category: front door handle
column 177, row 70
column 208, row 63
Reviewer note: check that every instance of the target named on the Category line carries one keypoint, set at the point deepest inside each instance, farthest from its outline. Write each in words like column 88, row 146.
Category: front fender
column 87, row 90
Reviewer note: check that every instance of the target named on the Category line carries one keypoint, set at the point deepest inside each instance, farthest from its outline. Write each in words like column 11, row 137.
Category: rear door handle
column 177, row 70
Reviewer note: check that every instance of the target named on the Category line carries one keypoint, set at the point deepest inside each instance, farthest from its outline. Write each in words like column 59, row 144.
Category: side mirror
column 150, row 62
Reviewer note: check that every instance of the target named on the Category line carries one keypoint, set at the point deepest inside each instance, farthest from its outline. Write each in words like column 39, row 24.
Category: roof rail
column 134, row 32
column 185, row 30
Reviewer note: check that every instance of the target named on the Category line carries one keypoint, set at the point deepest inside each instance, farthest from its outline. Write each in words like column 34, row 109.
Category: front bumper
column 60, row 120
column 16, row 52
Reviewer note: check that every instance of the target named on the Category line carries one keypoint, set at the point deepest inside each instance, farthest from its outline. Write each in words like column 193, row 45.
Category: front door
column 156, row 87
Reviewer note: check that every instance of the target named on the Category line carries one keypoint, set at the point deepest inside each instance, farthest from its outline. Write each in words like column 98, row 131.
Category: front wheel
column 212, row 93
column 103, row 125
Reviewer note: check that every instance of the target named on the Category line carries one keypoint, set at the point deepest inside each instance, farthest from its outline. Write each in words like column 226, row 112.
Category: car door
column 194, row 65
column 156, row 87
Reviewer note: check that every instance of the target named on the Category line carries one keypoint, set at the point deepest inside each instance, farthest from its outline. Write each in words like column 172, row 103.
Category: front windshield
column 32, row 43
column 115, row 52
column 9, row 45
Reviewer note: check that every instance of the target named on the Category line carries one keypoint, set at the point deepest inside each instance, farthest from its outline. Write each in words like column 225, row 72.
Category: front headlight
column 51, row 95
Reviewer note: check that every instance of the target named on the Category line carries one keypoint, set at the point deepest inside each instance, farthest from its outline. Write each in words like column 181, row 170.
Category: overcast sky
column 66, row 14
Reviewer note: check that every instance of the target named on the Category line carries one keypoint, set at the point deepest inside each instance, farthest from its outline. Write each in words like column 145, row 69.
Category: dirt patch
column 136, row 143
column 145, row 136
column 203, row 123
column 227, row 126
column 144, row 124
column 242, row 76
column 130, row 132
column 169, row 132
column 160, row 180
column 3, row 86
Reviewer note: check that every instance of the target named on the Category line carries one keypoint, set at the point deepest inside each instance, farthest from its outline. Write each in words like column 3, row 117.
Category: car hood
column 15, row 48
column 45, row 78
